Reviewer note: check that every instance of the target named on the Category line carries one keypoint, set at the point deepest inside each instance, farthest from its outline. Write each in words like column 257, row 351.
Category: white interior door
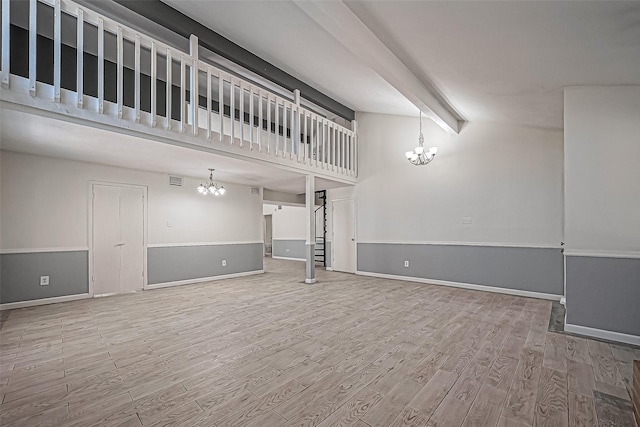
column 343, row 242
column 118, row 239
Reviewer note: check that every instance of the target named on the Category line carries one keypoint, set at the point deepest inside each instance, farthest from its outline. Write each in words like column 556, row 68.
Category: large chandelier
column 419, row 156
column 211, row 187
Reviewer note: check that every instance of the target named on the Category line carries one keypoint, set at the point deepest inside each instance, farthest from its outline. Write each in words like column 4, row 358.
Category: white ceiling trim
column 337, row 19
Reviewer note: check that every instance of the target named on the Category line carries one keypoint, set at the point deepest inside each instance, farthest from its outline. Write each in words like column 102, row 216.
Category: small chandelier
column 418, row 156
column 211, row 187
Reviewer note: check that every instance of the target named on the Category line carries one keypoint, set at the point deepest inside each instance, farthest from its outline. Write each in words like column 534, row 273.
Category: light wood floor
column 268, row 350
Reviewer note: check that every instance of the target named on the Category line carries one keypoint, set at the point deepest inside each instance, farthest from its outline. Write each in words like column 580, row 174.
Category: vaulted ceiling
column 482, row 61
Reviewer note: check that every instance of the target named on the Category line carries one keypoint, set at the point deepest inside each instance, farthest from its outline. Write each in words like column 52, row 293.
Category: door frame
column 355, row 231
column 144, row 189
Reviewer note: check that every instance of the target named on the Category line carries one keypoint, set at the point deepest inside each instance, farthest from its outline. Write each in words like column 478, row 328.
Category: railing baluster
column 154, row 82
column 136, row 79
column 120, row 72
column 292, row 125
column 251, row 95
column 232, row 108
column 268, row 124
column 324, row 143
column 317, row 147
column 354, row 126
column 339, row 150
column 208, row 103
column 304, row 138
column 168, row 88
column 57, row 64
column 334, row 145
column 260, row 116
column 100, row 64
column 284, row 130
column 277, row 112
column 6, row 57
column 33, row 34
column 183, row 93
column 80, row 58
column 221, row 104
column 194, row 99
column 241, row 112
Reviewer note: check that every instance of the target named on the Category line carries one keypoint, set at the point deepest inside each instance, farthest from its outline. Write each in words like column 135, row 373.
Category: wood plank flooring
column 268, row 350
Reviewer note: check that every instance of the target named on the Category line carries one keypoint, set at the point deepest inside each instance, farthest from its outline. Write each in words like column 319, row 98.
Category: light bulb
column 409, row 154
column 433, row 150
column 222, row 191
column 202, row 189
column 414, row 156
column 419, row 150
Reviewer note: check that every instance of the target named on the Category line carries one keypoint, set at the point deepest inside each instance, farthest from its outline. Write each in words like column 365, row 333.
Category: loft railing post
column 193, row 51
column 304, row 138
column 284, row 129
column 100, row 65
column 6, row 24
column 57, row 64
column 33, row 34
column 324, row 143
column 136, row 79
column 80, row 57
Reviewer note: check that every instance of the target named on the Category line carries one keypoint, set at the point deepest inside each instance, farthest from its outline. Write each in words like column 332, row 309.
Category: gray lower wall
column 526, row 269
column 175, row 263
column 289, row 248
column 20, row 275
column 604, row 293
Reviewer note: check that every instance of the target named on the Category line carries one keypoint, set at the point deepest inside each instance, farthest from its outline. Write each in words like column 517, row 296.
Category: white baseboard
column 43, row 301
column 202, row 279
column 328, row 268
column 600, row 333
column 563, row 301
column 471, row 286
column 288, row 258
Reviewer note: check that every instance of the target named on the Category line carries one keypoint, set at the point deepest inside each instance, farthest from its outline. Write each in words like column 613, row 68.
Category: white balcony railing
column 174, row 92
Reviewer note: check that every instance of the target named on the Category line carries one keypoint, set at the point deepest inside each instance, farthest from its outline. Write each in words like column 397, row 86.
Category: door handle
column 119, row 244
column 353, row 240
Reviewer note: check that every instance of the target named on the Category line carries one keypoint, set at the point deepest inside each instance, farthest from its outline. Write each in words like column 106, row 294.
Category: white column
column 310, row 245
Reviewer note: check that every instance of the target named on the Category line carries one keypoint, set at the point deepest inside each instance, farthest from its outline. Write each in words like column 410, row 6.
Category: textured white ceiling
column 492, row 61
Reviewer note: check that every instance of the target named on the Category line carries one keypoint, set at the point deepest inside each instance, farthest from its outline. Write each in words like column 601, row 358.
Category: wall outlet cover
column 467, row 220
column 406, row 263
column 44, row 280
column 224, row 262
column 287, row 250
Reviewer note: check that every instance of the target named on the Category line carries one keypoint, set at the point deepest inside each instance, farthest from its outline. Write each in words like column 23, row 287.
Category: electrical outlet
column 466, row 220
column 287, row 250
column 169, row 223
column 224, row 262
column 406, row 264
column 44, row 280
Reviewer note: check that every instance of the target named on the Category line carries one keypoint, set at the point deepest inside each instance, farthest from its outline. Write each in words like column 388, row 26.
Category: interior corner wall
column 289, row 232
column 45, row 215
column 487, row 211
column 602, row 210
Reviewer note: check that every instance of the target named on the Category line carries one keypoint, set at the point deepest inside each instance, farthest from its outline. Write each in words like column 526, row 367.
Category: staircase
column 321, row 239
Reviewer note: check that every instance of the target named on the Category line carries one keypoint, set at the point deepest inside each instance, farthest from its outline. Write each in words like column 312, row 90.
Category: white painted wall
column 507, row 179
column 602, row 168
column 289, row 223
column 45, row 205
